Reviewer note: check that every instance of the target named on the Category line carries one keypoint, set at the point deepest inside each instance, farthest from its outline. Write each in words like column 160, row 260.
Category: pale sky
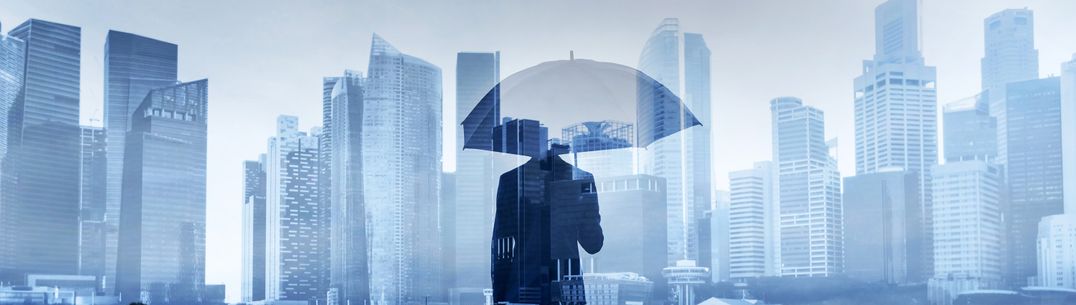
column 266, row 58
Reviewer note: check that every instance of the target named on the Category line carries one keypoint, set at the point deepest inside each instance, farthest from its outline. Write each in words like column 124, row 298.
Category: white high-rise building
column 967, row 229
column 681, row 62
column 896, row 105
column 293, row 222
column 1068, row 133
column 754, row 215
column 402, row 175
column 811, row 229
column 1057, row 251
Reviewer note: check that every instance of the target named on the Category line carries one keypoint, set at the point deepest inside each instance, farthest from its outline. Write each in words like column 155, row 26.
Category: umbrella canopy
column 579, row 92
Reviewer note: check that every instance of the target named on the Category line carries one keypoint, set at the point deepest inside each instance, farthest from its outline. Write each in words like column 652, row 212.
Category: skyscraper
column 294, row 260
column 349, row 257
column 896, row 105
column 754, row 240
column 1056, row 247
column 134, row 65
column 92, row 202
column 253, row 282
column 968, row 229
column 401, row 176
column 12, row 66
column 1010, row 56
column 882, row 226
column 682, row 159
column 1068, row 131
column 1034, row 168
column 601, row 148
column 718, row 235
column 970, row 131
column 634, row 238
column 476, row 74
column 810, row 191
column 163, row 211
column 44, row 134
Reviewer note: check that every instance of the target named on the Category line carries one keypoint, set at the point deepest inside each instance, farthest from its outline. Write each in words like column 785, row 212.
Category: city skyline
column 838, row 104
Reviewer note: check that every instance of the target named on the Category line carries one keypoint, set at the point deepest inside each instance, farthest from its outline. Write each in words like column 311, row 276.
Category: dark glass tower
column 1033, row 111
column 162, row 221
column 881, row 227
column 12, row 66
column 44, row 140
column 92, row 218
column 134, row 65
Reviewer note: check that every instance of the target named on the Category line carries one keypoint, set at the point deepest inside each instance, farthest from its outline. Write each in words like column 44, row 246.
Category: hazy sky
column 266, row 58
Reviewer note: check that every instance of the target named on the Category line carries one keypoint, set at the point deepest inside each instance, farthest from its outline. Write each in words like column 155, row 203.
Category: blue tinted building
column 44, row 141
column 254, row 238
column 1034, row 168
column 92, row 202
column 134, row 65
column 349, row 266
column 163, row 211
column 12, row 66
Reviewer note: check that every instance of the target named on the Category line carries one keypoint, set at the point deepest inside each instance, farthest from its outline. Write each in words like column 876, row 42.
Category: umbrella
column 564, row 93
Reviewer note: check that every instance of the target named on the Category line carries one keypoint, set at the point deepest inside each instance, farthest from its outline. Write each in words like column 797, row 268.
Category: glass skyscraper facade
column 92, row 202
column 402, row 127
column 882, row 227
column 1068, row 131
column 44, row 144
column 349, row 269
column 254, row 180
column 134, row 65
column 472, row 218
column 681, row 62
column 896, row 105
column 163, row 212
column 602, row 149
column 1010, row 56
column 812, row 233
column 12, row 66
column 295, row 260
column 970, row 132
column 1034, row 169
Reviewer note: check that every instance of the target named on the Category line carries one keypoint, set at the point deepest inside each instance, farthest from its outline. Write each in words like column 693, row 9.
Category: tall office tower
column 1010, row 56
column 1068, row 131
column 402, row 176
column 718, row 233
column 809, row 191
column 601, row 148
column 1056, row 247
column 754, row 240
column 896, row 106
column 1034, row 169
column 253, row 283
column 349, row 259
column 12, row 66
column 134, row 65
column 294, row 261
column 635, row 240
column 43, row 135
column 968, row 228
column 674, row 58
column 970, row 131
column 882, row 226
column 163, row 212
column 92, row 202
column 476, row 75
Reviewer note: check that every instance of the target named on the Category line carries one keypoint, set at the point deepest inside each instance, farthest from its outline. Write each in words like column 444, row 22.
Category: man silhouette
column 542, row 218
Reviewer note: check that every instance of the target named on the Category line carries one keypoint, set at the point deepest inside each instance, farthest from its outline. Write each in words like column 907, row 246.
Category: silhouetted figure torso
column 542, row 218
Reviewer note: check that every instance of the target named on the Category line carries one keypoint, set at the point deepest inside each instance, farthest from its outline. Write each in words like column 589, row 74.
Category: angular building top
column 896, row 32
